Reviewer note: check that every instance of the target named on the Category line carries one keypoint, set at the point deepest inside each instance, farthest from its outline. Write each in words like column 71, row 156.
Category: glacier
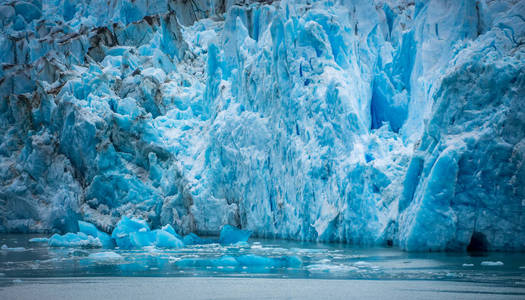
column 365, row 122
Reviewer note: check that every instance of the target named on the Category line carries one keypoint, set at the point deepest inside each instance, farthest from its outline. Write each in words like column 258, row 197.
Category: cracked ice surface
column 354, row 121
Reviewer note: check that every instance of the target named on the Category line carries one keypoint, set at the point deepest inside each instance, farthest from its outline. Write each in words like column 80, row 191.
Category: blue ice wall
column 355, row 121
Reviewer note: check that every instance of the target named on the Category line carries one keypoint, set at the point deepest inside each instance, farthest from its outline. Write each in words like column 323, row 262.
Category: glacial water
column 262, row 258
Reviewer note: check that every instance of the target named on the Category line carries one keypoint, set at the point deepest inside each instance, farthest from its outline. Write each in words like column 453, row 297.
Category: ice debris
column 12, row 249
column 492, row 263
column 249, row 260
column 132, row 233
column 91, row 230
column 193, row 239
column 39, row 240
column 70, row 239
column 232, row 235
column 106, row 257
column 88, row 236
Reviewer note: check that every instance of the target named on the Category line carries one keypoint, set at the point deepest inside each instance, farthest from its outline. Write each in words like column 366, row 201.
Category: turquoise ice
column 366, row 122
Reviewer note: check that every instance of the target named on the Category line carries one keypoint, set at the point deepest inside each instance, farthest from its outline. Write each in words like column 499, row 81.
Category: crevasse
column 366, row 122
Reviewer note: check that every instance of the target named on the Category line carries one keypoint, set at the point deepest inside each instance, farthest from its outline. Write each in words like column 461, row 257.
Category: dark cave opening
column 478, row 243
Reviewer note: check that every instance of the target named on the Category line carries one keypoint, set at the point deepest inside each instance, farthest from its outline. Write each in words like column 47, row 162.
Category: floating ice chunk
column 77, row 252
column 91, row 230
column 173, row 259
column 246, row 261
column 165, row 239
column 87, row 228
column 170, row 229
column 136, row 234
column 74, row 240
column 232, row 235
column 225, row 261
column 39, row 240
column 254, row 260
column 241, row 244
column 13, row 249
column 362, row 264
column 132, row 233
column 492, row 263
column 193, row 262
column 193, row 239
column 315, row 268
column 289, row 261
column 261, row 261
column 87, row 237
column 468, row 265
column 106, row 257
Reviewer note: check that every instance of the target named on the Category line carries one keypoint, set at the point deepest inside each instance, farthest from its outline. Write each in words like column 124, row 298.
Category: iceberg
column 365, row 122
column 88, row 236
column 193, row 239
column 132, row 233
column 91, row 230
column 165, row 239
column 232, row 235
column 74, row 240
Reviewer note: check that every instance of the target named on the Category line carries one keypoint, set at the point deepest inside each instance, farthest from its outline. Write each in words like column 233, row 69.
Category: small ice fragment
column 14, row 249
column 106, row 257
column 173, row 259
column 362, row 264
column 39, row 240
column 17, row 281
column 74, row 240
column 491, row 263
column 331, row 268
column 468, row 265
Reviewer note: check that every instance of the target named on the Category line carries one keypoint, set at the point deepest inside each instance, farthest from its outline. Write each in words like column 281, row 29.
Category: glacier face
column 354, row 121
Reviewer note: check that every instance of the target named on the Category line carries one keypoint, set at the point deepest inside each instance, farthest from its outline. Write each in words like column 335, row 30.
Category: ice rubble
column 132, row 233
column 248, row 260
column 368, row 122
column 135, row 233
column 232, row 235
column 106, row 257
